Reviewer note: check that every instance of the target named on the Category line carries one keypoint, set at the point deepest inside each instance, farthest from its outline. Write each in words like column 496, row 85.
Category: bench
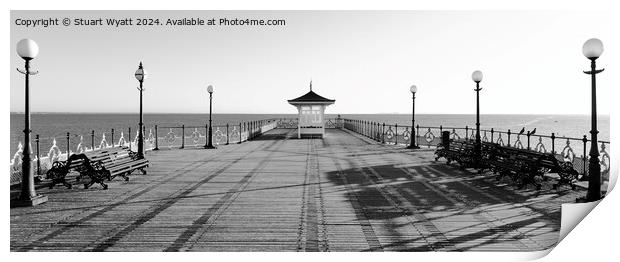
column 60, row 169
column 77, row 162
column 527, row 166
column 522, row 165
column 98, row 165
column 123, row 164
column 461, row 151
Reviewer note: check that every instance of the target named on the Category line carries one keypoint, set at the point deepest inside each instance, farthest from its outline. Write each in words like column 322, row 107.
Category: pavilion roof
column 311, row 97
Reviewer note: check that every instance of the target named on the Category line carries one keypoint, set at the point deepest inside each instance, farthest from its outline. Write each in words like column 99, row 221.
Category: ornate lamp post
column 413, row 90
column 477, row 77
column 210, row 136
column 141, row 75
column 28, row 50
column 592, row 49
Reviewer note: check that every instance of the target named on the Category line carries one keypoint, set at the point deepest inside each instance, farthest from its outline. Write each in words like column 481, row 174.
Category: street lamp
column 592, row 49
column 412, row 145
column 28, row 50
column 477, row 77
column 141, row 75
column 210, row 136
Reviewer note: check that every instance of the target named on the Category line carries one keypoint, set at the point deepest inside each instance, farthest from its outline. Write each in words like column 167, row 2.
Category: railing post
column 206, row 135
column 38, row 156
column 440, row 129
column 227, row 135
column 182, row 136
column 528, row 140
column 466, row 133
column 92, row 140
column 363, row 127
column 585, row 155
column 240, row 133
column 143, row 134
column 445, row 139
column 156, row 139
column 383, row 134
column 492, row 131
column 68, row 145
column 417, row 134
column 375, row 131
column 112, row 132
column 553, row 143
column 508, row 138
column 396, row 134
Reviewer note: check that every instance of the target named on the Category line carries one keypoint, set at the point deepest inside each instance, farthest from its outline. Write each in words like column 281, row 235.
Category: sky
column 365, row 60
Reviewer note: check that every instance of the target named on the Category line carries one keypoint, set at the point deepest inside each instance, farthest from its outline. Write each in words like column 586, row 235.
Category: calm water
column 56, row 125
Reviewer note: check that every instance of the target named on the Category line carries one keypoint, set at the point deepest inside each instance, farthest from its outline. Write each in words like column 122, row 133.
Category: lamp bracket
column 594, row 72
column 29, row 73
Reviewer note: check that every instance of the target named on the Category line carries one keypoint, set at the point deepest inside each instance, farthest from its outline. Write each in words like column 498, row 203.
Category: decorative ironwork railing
column 155, row 138
column 564, row 148
column 294, row 122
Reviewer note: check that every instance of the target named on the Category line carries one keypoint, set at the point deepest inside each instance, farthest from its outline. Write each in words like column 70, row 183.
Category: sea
column 50, row 126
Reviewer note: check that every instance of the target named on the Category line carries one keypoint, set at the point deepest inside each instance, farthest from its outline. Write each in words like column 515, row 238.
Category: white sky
column 366, row 60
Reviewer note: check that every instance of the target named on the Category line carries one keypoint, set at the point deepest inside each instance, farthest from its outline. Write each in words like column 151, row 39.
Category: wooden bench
column 522, row 165
column 98, row 165
column 461, row 151
column 123, row 164
column 527, row 166
column 76, row 162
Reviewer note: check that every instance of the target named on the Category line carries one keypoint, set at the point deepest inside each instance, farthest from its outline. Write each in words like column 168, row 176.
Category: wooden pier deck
column 278, row 193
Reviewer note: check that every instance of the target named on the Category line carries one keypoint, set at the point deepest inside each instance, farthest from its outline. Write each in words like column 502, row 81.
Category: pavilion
column 311, row 108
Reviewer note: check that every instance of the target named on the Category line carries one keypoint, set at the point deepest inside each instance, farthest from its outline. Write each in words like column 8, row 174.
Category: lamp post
column 141, row 75
column 28, row 50
column 413, row 90
column 210, row 136
column 477, row 77
column 592, row 49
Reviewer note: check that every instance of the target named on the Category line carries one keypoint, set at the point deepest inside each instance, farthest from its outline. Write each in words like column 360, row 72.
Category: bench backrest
column 546, row 160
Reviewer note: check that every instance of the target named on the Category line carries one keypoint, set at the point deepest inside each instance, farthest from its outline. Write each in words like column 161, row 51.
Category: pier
column 345, row 192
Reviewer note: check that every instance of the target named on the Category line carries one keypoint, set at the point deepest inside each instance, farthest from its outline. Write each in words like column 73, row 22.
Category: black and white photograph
column 457, row 131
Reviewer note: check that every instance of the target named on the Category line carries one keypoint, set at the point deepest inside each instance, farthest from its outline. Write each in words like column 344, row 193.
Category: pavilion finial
column 310, row 84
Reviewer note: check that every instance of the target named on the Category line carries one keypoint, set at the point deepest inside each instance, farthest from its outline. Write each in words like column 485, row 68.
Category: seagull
column 533, row 131
column 522, row 131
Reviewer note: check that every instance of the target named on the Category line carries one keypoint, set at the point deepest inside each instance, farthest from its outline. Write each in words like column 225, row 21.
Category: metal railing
column 196, row 136
column 564, row 148
column 60, row 147
column 294, row 122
